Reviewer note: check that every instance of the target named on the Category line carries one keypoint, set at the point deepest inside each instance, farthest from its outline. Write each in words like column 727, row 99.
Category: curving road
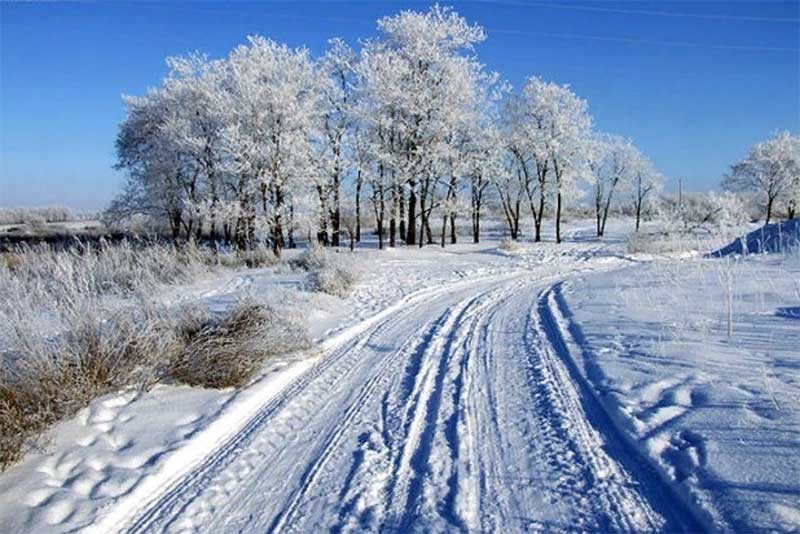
column 459, row 411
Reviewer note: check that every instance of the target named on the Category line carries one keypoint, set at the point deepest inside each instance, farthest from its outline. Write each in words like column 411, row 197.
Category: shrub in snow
column 509, row 245
column 47, row 379
column 259, row 257
column 315, row 257
column 228, row 351
column 337, row 280
column 75, row 324
column 330, row 272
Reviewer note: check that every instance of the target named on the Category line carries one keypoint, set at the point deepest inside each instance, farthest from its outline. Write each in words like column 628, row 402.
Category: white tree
column 273, row 104
column 420, row 79
column 614, row 162
column 647, row 182
column 335, row 158
column 769, row 169
column 550, row 129
column 193, row 128
column 484, row 165
column 157, row 181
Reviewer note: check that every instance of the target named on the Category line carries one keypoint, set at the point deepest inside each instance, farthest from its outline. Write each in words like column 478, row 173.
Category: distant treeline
column 42, row 215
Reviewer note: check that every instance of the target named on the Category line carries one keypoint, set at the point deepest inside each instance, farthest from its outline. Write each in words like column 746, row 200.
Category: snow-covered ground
column 719, row 415
column 460, row 389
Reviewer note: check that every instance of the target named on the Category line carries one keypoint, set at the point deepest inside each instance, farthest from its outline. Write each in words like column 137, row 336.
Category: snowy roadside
column 719, row 416
column 130, row 443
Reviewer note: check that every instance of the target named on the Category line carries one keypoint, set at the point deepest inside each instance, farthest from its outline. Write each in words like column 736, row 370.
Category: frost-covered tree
column 484, row 166
column 510, row 185
column 223, row 143
column 769, row 169
column 420, row 80
column 335, row 154
column 272, row 100
column 548, row 134
column 528, row 166
column 646, row 184
column 158, row 183
column 613, row 163
column 268, row 141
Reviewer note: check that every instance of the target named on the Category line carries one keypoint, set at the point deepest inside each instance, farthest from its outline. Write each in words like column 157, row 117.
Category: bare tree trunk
column 411, row 237
column 336, row 212
column 428, row 231
column 558, row 216
column 402, row 216
column 421, row 219
column 475, row 211
column 770, row 201
column 277, row 229
column 393, row 217
column 359, row 180
column 290, row 230
column 607, row 206
column 539, row 216
column 597, row 203
column 322, row 230
column 638, row 214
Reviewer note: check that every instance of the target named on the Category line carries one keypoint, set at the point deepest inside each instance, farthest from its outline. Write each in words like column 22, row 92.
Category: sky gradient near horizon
column 693, row 83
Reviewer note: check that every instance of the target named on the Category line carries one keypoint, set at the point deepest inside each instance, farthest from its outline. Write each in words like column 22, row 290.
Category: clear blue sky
column 694, row 83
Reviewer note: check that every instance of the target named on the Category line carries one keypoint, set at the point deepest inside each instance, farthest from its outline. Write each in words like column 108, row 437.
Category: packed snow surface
column 465, row 389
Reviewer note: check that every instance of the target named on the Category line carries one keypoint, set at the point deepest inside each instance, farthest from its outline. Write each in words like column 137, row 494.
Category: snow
column 720, row 417
column 776, row 237
column 552, row 388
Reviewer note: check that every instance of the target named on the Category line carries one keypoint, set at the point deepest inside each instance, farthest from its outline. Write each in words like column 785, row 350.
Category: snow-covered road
column 457, row 410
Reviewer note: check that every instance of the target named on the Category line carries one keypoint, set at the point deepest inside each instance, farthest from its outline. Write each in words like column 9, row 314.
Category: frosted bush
column 228, row 351
column 337, row 280
column 330, row 272
column 509, row 245
column 315, row 257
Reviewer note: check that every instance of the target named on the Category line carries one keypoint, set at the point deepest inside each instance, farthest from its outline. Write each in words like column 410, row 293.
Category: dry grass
column 228, row 351
column 330, row 272
column 79, row 323
column 50, row 379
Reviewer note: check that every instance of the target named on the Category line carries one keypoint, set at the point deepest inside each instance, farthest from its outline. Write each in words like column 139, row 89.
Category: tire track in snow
column 284, row 519
column 412, row 468
column 631, row 491
column 183, row 490
column 455, row 411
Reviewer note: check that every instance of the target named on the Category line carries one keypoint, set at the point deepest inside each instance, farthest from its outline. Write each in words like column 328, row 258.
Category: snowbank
column 778, row 237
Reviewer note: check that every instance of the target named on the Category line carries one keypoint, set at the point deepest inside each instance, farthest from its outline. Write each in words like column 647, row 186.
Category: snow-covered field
column 719, row 415
column 553, row 388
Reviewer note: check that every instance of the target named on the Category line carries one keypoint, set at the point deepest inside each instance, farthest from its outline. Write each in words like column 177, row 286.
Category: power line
column 635, row 40
column 560, row 5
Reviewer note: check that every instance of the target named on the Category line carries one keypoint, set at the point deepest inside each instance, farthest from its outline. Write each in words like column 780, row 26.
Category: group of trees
column 408, row 131
column 771, row 170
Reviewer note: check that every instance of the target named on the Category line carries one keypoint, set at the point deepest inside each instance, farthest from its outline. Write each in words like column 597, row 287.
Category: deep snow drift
column 776, row 237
